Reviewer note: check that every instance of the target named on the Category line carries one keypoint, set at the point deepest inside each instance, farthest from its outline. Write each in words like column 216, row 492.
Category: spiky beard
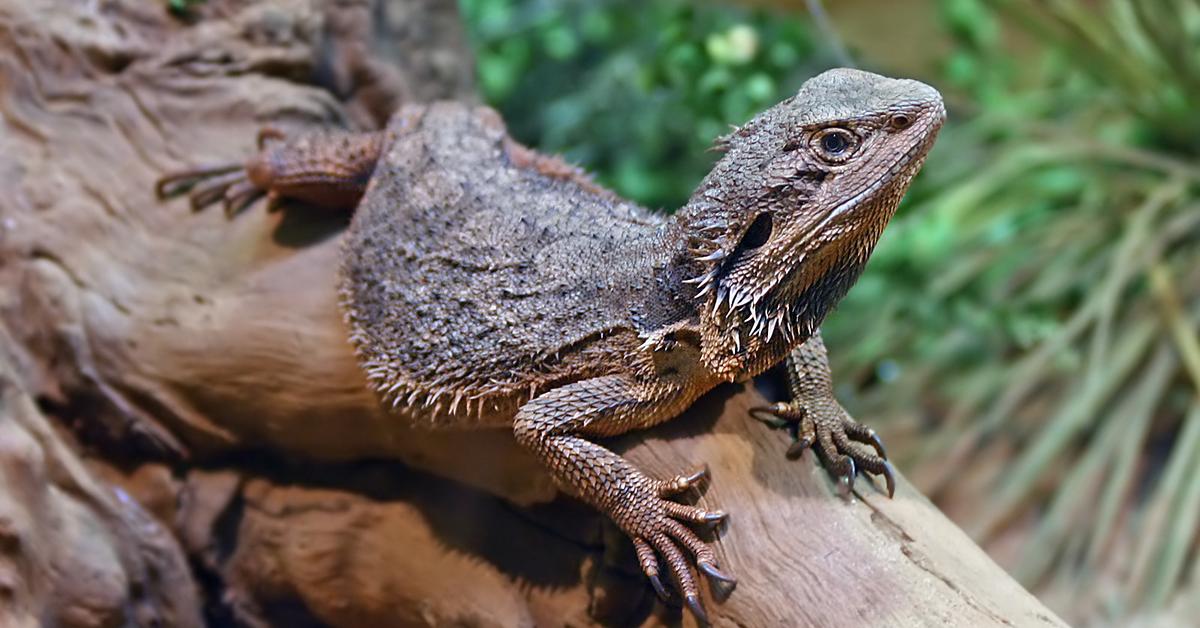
column 780, row 314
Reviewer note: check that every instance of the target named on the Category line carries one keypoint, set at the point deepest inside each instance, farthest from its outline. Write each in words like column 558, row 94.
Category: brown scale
column 488, row 285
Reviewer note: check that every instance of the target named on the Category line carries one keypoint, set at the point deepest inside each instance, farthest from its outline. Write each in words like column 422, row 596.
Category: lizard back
column 471, row 281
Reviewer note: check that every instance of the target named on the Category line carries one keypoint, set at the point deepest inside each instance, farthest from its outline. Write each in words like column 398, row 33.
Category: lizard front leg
column 554, row 426
column 820, row 421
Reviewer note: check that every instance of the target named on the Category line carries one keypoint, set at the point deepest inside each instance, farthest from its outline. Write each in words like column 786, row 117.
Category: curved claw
column 756, row 410
column 656, row 582
column 877, row 444
column 889, row 477
column 681, row 483
column 847, row 480
column 714, row 516
column 693, row 603
column 696, row 476
column 767, row 415
column 716, row 574
column 798, row 447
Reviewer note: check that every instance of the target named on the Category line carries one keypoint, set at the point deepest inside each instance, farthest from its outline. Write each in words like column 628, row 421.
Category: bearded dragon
column 486, row 285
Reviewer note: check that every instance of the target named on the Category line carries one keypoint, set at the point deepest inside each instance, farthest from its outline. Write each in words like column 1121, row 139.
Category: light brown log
column 217, row 345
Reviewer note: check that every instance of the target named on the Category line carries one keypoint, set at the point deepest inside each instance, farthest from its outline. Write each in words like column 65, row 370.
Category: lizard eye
column 834, row 144
column 900, row 121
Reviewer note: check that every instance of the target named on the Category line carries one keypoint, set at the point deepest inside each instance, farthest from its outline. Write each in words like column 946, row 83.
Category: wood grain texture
column 216, row 345
column 74, row 552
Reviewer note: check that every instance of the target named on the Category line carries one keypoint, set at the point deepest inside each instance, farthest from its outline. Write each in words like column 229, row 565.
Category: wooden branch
column 217, row 344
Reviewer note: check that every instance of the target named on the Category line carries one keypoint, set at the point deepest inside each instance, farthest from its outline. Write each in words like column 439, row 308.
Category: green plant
column 635, row 90
column 182, row 7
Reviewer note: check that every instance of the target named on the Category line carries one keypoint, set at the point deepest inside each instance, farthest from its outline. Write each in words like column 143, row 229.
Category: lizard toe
column 694, row 514
column 681, row 573
column 649, row 564
column 177, row 182
column 860, row 433
column 683, row 482
column 664, row 544
column 838, row 446
column 805, row 436
column 778, row 415
column 240, row 195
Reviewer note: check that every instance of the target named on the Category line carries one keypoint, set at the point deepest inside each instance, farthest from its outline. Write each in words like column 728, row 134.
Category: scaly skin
column 817, row 418
column 487, row 285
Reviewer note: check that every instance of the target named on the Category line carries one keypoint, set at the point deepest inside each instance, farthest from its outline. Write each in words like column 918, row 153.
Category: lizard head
column 784, row 223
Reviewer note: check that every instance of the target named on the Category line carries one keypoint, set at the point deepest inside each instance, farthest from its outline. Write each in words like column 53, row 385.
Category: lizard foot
column 827, row 428
column 653, row 522
column 228, row 183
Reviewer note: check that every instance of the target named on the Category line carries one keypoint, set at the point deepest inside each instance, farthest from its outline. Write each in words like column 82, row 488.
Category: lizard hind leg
column 554, row 426
column 324, row 169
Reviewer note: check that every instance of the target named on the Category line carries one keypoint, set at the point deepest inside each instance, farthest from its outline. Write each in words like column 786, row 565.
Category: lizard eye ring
column 834, row 144
column 900, row 121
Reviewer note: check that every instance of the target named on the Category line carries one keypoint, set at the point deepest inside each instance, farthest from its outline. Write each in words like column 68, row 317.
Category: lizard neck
column 666, row 309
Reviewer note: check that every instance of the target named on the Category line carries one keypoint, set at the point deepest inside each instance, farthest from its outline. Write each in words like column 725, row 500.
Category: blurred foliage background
column 1026, row 333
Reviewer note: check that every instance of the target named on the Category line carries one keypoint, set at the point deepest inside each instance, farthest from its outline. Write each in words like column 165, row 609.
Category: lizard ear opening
column 758, row 233
column 754, row 237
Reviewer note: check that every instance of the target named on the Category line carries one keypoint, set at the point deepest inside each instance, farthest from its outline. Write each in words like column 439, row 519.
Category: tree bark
column 205, row 360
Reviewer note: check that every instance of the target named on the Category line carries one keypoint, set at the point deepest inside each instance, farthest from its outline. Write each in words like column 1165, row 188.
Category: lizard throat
column 759, row 323
column 786, row 316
